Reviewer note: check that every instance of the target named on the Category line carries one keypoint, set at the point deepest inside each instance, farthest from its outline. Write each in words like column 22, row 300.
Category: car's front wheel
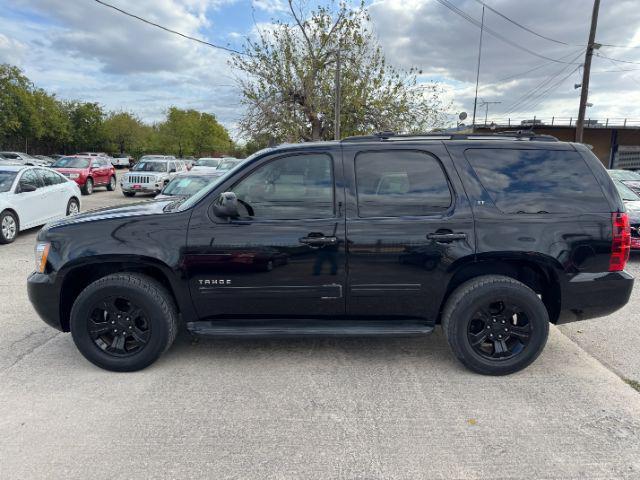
column 8, row 227
column 88, row 187
column 124, row 322
column 495, row 325
column 73, row 207
column 111, row 186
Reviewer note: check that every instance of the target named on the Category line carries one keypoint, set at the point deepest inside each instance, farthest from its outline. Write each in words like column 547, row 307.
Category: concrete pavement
column 310, row 408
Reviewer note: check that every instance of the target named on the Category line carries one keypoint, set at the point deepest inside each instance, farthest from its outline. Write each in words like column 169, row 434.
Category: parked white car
column 23, row 158
column 122, row 161
column 150, row 176
column 32, row 196
column 206, row 164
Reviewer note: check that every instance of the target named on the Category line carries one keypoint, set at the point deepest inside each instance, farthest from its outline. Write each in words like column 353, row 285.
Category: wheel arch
column 15, row 214
column 536, row 271
column 78, row 277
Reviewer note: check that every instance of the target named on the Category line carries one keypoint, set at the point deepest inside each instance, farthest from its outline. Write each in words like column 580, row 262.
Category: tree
column 17, row 107
column 287, row 80
column 125, row 132
column 189, row 132
column 86, row 122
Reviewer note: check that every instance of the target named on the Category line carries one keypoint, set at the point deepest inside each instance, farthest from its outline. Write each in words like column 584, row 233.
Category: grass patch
column 633, row 383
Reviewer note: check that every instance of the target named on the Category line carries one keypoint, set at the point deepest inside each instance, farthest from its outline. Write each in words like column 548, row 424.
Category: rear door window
column 537, row 181
column 396, row 183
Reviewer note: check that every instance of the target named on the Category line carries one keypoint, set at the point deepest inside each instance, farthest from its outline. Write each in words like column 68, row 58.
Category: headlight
column 42, row 252
column 74, row 175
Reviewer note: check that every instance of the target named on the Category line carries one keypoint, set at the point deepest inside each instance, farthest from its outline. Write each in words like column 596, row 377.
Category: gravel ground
column 312, row 408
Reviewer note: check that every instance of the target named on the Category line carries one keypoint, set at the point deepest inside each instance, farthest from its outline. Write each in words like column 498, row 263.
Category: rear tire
column 9, row 227
column 485, row 308
column 124, row 322
column 87, row 189
column 111, row 186
column 129, row 194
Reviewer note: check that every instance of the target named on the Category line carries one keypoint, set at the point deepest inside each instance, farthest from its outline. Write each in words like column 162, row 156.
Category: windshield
column 6, row 180
column 71, row 162
column 189, row 185
column 228, row 164
column 626, row 193
column 191, row 201
column 9, row 155
column 150, row 167
column 624, row 175
column 207, row 162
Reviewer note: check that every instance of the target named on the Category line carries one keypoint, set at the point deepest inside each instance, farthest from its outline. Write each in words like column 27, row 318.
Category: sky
column 79, row 49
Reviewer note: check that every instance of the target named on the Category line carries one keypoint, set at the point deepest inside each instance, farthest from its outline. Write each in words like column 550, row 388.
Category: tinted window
column 397, row 183
column 295, row 187
column 150, row 167
column 30, row 177
column 48, row 177
column 537, row 181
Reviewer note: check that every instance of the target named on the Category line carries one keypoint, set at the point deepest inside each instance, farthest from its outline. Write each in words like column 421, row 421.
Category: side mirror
column 27, row 187
column 226, row 205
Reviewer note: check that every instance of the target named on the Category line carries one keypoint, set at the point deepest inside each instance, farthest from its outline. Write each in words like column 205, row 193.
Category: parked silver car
column 150, row 176
column 23, row 159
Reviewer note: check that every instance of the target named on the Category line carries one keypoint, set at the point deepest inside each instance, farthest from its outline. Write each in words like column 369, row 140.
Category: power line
column 545, row 64
column 616, row 59
column 493, row 33
column 541, row 97
column 532, row 93
column 522, row 26
column 231, row 50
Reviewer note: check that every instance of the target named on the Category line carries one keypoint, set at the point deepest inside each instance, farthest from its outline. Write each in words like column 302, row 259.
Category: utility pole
column 486, row 108
column 587, row 71
column 337, row 93
column 475, row 102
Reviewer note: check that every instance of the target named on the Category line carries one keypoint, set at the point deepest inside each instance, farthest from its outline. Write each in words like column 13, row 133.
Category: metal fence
column 558, row 121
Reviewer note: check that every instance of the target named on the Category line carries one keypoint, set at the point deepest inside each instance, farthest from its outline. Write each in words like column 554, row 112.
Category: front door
column 408, row 222
column 34, row 208
column 284, row 257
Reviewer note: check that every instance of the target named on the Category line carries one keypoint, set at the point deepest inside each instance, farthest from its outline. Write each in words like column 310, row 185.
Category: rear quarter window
column 537, row 181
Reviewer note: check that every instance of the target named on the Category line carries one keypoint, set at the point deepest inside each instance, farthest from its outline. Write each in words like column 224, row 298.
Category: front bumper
column 142, row 187
column 591, row 295
column 44, row 297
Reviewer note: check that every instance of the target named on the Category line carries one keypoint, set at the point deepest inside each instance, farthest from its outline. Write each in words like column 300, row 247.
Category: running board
column 305, row 327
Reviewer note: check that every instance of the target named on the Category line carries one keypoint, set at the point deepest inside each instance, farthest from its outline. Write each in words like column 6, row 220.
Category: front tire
column 495, row 325
column 87, row 189
column 73, row 207
column 8, row 227
column 124, row 322
column 111, row 186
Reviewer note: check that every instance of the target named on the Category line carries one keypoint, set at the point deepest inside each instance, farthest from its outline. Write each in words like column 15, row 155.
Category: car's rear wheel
column 8, row 226
column 495, row 325
column 129, row 194
column 88, row 187
column 124, row 322
column 111, row 186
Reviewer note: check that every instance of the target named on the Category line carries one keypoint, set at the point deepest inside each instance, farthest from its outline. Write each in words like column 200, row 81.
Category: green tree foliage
column 33, row 119
column 288, row 78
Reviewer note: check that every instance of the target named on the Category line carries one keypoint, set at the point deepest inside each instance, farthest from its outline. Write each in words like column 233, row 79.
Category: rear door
column 408, row 223
column 55, row 192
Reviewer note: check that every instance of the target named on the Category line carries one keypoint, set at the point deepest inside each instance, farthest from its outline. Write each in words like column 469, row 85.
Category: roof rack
column 529, row 135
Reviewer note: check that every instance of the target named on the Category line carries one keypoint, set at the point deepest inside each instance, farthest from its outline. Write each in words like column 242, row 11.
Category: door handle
column 446, row 237
column 318, row 241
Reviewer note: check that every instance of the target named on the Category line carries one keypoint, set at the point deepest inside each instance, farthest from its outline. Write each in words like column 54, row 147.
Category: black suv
column 492, row 237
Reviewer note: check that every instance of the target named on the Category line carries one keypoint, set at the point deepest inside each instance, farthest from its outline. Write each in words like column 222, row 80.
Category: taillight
column 621, row 242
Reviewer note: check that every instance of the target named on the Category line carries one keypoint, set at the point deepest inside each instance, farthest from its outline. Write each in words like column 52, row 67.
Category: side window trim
column 438, row 214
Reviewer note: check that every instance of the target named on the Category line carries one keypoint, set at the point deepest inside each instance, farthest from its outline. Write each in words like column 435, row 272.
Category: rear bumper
column 44, row 297
column 591, row 295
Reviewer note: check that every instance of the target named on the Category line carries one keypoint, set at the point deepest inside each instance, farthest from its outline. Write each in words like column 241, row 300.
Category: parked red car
column 87, row 172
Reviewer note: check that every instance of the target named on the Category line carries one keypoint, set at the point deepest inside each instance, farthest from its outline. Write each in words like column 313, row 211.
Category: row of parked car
column 33, row 194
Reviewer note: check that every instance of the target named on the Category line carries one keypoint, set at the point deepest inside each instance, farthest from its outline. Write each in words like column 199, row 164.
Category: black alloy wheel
column 118, row 326
column 499, row 330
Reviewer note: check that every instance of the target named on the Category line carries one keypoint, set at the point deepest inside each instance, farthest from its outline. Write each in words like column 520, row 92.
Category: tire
column 129, row 194
column 473, row 313
column 111, row 186
column 73, row 207
column 142, row 297
column 9, row 227
column 87, row 189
